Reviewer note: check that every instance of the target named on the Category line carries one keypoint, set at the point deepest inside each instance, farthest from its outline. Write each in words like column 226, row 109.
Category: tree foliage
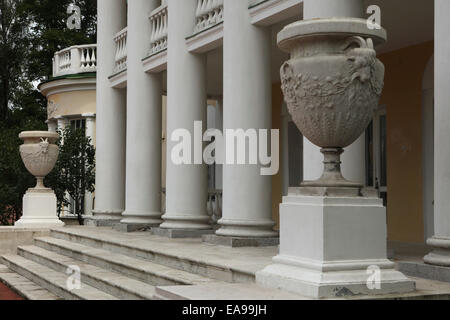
column 15, row 43
column 50, row 32
column 74, row 172
column 31, row 31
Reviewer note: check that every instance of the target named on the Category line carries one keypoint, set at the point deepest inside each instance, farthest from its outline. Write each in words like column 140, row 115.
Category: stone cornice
column 206, row 40
column 67, row 84
column 269, row 12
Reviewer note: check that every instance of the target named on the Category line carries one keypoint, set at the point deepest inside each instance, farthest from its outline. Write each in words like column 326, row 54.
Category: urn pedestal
column 39, row 154
column 333, row 245
column 333, row 233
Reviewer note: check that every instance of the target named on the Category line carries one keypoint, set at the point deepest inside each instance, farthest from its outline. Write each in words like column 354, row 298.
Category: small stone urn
column 332, row 85
column 39, row 154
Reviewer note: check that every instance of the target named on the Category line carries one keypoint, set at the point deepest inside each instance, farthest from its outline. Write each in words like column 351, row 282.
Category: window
column 78, row 124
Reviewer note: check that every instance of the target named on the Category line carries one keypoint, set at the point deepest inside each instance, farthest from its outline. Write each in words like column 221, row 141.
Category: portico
column 224, row 51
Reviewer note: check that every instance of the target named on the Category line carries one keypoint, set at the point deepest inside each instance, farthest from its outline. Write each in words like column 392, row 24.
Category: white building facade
column 195, row 51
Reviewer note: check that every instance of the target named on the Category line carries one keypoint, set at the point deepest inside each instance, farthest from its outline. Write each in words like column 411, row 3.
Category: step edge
column 245, row 273
column 201, row 279
column 10, row 260
column 27, row 294
column 94, row 277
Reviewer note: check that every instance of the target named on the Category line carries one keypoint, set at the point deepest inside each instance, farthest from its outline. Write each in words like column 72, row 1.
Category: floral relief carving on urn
column 332, row 85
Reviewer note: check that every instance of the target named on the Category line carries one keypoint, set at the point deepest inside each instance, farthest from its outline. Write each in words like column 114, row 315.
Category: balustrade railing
column 159, row 29
column 121, row 50
column 76, row 59
column 208, row 14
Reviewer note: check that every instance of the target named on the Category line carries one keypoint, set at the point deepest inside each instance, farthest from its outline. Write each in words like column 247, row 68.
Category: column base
column 246, row 228
column 185, row 222
column 39, row 210
column 440, row 256
column 239, row 242
column 143, row 218
column 103, row 218
column 138, row 221
column 181, row 233
column 333, row 246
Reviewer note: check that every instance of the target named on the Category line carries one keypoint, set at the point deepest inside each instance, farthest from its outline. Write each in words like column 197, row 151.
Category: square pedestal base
column 39, row 210
column 333, row 246
column 346, row 282
column 180, row 233
column 239, row 242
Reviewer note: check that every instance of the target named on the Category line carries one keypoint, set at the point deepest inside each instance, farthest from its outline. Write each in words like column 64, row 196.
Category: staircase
column 110, row 268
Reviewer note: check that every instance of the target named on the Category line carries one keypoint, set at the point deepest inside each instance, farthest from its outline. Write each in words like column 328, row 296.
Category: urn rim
column 39, row 134
column 329, row 26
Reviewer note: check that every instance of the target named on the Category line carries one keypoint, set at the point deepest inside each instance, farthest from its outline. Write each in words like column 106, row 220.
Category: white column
column 186, row 185
column 144, row 123
column 331, row 8
column 354, row 157
column 90, row 132
column 247, row 96
column 219, row 125
column 61, row 123
column 90, row 126
column 441, row 240
column 111, row 115
column 52, row 125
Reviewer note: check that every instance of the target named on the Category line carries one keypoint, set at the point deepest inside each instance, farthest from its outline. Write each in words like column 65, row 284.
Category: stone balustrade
column 121, row 50
column 76, row 59
column 208, row 14
column 159, row 29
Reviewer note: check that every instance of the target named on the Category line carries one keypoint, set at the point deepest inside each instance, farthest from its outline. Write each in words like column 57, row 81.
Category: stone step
column 24, row 287
column 149, row 272
column 55, row 282
column 159, row 252
column 114, row 283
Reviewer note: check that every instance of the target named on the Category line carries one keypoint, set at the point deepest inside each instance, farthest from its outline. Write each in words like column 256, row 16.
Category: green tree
column 15, row 43
column 50, row 32
column 74, row 172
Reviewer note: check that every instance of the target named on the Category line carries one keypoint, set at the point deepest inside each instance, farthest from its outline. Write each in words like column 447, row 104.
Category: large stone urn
column 332, row 231
column 39, row 154
column 332, row 85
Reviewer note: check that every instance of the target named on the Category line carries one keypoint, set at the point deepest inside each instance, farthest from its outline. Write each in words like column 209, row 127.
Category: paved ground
column 8, row 294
